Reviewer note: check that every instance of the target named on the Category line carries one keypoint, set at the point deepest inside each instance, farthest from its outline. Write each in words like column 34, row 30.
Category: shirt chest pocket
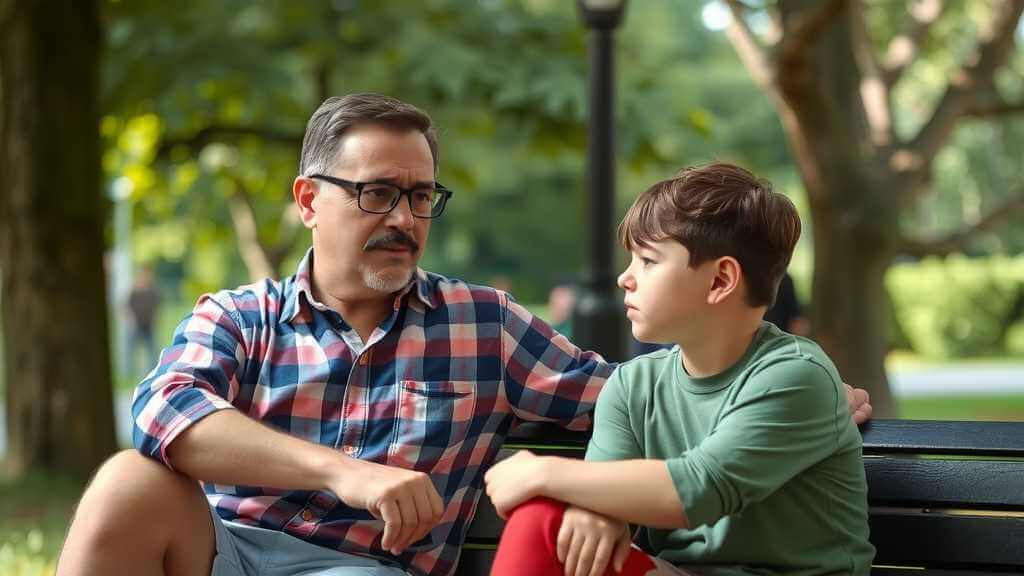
column 434, row 419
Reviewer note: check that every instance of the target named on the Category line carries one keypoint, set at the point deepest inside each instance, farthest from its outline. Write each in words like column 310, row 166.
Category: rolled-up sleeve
column 196, row 376
column 546, row 376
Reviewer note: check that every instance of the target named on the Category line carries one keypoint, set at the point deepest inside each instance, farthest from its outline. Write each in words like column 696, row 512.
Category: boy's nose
column 625, row 281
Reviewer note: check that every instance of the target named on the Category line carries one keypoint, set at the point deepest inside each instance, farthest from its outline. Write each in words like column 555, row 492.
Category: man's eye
column 382, row 192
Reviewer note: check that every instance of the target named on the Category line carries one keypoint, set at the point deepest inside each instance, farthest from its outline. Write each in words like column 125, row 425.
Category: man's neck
column 363, row 310
column 720, row 345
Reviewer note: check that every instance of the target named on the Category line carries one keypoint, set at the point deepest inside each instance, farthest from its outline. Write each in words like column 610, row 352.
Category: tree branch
column 243, row 216
column 744, row 41
column 221, row 132
column 998, row 108
column 874, row 92
column 903, row 48
column 964, row 86
column 805, row 29
column 958, row 239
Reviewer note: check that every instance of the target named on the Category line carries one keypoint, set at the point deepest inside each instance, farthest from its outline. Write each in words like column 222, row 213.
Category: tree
column 833, row 89
column 58, row 386
column 231, row 85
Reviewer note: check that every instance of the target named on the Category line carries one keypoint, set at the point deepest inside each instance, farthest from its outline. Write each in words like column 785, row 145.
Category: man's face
column 381, row 250
column 666, row 300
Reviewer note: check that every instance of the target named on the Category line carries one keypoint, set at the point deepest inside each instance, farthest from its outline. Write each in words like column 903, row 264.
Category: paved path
column 949, row 380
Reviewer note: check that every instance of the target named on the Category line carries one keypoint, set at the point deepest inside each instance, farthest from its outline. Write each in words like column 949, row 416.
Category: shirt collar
column 300, row 289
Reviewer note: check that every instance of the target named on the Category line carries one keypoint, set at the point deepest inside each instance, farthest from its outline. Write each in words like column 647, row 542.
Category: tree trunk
column 52, row 214
column 850, row 316
column 851, row 193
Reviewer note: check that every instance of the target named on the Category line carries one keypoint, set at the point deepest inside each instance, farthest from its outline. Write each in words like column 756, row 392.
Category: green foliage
column 506, row 82
column 504, row 79
column 958, row 307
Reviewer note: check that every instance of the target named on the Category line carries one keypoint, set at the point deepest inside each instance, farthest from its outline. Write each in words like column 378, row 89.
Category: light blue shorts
column 249, row 551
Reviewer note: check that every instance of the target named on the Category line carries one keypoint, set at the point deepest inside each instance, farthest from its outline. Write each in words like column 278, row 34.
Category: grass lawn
column 34, row 514
column 1010, row 408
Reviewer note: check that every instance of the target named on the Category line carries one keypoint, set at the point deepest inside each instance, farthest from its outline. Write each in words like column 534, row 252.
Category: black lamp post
column 599, row 321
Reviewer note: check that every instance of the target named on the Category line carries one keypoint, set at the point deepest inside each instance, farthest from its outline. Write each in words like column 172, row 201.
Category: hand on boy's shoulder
column 860, row 403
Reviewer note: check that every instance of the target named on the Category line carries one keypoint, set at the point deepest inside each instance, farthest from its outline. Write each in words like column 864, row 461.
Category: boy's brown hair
column 718, row 210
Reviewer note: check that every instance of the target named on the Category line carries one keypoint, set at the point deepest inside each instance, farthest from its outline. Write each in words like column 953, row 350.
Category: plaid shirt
column 436, row 388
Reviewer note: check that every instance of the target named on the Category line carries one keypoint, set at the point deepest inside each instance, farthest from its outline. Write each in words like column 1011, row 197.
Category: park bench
column 946, row 498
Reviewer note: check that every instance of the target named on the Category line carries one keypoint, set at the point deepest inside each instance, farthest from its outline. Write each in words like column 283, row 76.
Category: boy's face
column 666, row 300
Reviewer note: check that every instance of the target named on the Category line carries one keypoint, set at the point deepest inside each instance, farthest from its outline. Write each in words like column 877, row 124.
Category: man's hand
column 860, row 404
column 405, row 500
column 515, row 480
column 587, row 541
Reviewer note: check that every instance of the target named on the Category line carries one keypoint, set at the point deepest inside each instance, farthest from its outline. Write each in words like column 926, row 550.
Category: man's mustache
column 391, row 241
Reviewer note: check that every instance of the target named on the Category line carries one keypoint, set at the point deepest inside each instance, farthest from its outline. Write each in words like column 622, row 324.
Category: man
column 142, row 304
column 340, row 420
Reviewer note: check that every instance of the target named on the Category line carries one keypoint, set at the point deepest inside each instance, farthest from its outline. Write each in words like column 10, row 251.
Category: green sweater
column 764, row 457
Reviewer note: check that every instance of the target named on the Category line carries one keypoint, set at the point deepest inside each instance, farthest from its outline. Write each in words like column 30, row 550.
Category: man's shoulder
column 446, row 291
column 249, row 304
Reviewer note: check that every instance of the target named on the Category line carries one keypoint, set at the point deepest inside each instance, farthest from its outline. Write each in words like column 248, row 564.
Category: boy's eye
column 646, row 261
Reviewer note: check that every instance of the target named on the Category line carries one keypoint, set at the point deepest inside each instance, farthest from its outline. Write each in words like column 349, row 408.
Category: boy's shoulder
column 776, row 346
column 650, row 364
column 784, row 359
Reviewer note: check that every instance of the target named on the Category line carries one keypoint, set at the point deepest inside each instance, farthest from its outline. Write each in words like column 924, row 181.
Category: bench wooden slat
column 937, row 437
column 474, row 562
column 915, row 523
column 912, row 482
column 919, row 572
column 918, row 538
column 547, row 433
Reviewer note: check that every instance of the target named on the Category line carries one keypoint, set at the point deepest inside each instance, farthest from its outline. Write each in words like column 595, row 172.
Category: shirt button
column 350, row 450
column 307, row 515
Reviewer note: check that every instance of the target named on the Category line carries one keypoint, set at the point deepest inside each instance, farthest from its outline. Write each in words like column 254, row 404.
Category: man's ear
column 728, row 276
column 304, row 191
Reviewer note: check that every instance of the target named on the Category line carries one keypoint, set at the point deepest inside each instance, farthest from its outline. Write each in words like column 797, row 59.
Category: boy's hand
column 587, row 541
column 515, row 480
column 859, row 402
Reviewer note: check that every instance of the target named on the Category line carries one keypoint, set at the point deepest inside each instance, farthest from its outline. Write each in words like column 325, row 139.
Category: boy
column 735, row 448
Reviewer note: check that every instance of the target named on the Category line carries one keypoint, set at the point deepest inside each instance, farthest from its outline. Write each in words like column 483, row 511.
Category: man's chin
column 387, row 280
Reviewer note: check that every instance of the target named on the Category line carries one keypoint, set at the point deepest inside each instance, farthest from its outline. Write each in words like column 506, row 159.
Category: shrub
column 957, row 307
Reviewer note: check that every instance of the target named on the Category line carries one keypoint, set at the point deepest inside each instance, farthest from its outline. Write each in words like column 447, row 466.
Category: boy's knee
column 539, row 518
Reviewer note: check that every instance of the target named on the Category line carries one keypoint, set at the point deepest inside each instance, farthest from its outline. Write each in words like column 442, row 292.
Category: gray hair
column 337, row 114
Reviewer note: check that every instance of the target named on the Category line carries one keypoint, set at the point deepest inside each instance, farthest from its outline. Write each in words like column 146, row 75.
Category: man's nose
column 401, row 215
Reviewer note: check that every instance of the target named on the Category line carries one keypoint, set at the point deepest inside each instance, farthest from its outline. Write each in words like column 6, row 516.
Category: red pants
column 529, row 544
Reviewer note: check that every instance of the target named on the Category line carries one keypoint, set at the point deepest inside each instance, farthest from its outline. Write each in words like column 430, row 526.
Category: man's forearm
column 228, row 447
column 635, row 491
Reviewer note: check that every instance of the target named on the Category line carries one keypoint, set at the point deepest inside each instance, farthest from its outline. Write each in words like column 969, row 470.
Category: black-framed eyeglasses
column 382, row 197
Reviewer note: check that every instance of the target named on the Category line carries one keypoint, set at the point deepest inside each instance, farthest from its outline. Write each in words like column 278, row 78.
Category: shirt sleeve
column 789, row 416
column 196, row 376
column 547, row 378
column 613, row 438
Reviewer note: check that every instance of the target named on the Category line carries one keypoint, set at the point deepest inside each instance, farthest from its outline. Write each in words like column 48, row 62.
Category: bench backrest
column 944, row 496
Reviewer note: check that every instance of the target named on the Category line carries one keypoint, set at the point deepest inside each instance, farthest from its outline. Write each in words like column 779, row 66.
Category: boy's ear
column 304, row 192
column 727, row 278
